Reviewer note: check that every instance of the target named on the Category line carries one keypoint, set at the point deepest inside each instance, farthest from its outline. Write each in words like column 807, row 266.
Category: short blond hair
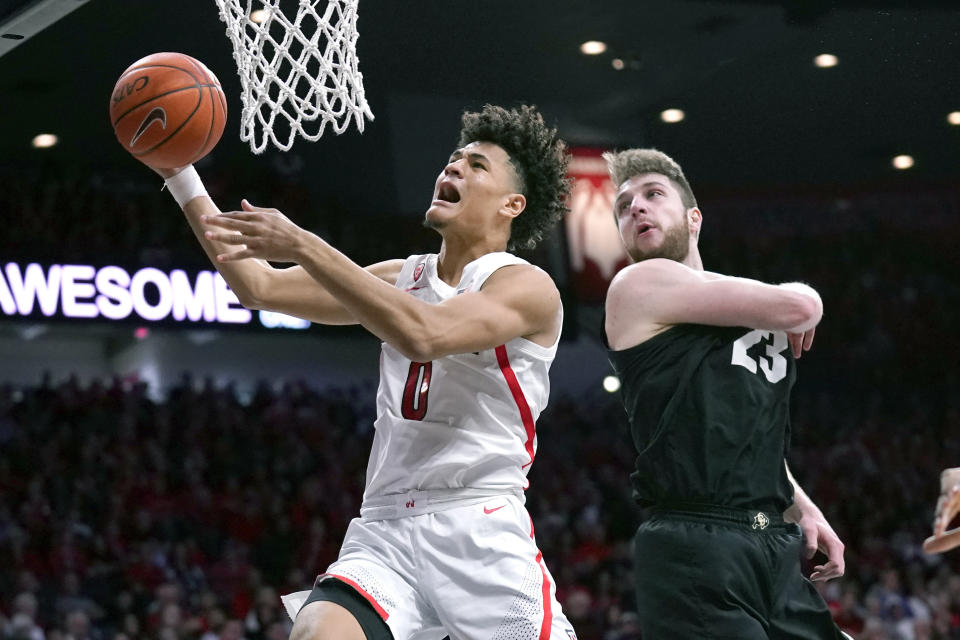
column 624, row 165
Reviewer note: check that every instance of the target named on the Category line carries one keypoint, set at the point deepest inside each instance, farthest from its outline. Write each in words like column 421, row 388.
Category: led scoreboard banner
column 114, row 294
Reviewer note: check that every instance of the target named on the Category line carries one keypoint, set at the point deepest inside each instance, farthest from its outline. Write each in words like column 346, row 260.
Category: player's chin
column 437, row 215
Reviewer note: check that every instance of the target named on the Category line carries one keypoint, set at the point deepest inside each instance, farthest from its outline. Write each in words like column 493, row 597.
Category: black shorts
column 333, row 590
column 711, row 572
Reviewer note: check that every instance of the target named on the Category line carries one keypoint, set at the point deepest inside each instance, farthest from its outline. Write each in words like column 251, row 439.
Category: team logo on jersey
column 760, row 521
column 418, row 272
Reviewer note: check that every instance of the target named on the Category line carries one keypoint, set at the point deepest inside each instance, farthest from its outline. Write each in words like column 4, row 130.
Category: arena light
column 902, row 161
column 44, row 141
column 825, row 60
column 611, row 384
column 617, row 63
column 672, row 115
column 258, row 16
column 593, row 47
column 954, row 118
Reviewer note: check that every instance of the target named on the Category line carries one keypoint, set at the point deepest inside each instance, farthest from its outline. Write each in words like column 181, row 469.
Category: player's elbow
column 802, row 312
column 416, row 349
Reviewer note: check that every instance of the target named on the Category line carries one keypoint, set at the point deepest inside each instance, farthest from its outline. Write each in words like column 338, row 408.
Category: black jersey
column 709, row 415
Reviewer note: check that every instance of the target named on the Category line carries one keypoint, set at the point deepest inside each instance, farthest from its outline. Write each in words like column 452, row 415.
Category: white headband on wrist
column 185, row 186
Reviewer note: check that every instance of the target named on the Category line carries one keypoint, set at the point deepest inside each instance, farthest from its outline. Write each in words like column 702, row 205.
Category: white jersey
column 463, row 421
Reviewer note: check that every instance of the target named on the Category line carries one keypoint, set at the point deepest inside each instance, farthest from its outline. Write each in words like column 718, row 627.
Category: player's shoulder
column 522, row 274
column 647, row 275
column 387, row 270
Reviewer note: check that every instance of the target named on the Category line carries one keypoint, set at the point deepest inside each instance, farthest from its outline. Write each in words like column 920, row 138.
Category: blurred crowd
column 125, row 518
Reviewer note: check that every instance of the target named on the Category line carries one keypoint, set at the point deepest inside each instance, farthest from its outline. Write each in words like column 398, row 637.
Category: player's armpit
column 665, row 292
column 515, row 301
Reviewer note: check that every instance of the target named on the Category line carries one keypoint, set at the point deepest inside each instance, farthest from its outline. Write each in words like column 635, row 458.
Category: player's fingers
column 796, row 342
column 833, row 548
column 247, row 206
column 808, row 339
column 810, row 542
column 825, row 572
column 243, row 254
column 226, row 218
column 226, row 237
column 942, row 542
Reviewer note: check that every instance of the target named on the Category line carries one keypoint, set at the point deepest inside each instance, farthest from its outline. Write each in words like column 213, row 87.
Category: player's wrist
column 185, row 186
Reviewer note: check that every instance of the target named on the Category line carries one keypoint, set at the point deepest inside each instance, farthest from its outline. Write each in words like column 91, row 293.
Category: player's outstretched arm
column 818, row 535
column 515, row 301
column 647, row 296
column 256, row 283
column 948, row 506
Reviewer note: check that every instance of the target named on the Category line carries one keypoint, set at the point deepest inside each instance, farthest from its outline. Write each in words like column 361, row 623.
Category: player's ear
column 514, row 205
column 694, row 220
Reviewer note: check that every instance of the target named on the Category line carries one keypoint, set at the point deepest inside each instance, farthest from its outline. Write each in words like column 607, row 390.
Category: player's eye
column 479, row 165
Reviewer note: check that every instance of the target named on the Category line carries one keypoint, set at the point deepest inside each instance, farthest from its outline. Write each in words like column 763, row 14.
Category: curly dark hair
column 539, row 157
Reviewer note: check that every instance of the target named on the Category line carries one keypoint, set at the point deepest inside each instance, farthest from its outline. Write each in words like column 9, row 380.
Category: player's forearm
column 390, row 314
column 247, row 278
column 244, row 278
column 801, row 500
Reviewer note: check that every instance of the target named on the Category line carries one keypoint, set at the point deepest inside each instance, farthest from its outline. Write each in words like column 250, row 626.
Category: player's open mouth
column 448, row 193
column 642, row 229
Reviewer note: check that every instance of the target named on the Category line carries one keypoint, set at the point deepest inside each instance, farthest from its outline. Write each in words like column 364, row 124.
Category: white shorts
column 471, row 571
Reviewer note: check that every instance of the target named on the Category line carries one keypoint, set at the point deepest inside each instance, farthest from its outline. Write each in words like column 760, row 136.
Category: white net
column 297, row 75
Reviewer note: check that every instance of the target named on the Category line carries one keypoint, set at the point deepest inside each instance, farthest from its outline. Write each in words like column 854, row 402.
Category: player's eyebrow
column 645, row 185
column 473, row 155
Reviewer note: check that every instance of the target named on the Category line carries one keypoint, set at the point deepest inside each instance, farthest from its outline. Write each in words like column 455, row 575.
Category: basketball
column 168, row 110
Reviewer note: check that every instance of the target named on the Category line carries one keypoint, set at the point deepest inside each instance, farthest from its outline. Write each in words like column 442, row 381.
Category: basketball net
column 297, row 76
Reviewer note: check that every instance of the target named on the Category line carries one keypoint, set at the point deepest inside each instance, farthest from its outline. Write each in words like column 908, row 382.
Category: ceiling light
column 258, row 16
column 903, row 161
column 593, row 47
column 825, row 60
column 672, row 115
column 954, row 117
column 617, row 64
column 611, row 384
column 44, row 141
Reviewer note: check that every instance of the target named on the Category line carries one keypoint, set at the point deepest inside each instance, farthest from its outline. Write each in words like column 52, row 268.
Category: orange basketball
column 168, row 110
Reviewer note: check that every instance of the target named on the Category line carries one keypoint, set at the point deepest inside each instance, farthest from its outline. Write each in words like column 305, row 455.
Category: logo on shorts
column 489, row 511
column 410, row 504
column 418, row 272
column 760, row 521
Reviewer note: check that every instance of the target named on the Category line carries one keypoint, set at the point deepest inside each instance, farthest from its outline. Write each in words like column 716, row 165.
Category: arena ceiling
column 759, row 114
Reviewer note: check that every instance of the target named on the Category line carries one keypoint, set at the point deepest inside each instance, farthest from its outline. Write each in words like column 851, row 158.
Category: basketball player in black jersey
column 706, row 363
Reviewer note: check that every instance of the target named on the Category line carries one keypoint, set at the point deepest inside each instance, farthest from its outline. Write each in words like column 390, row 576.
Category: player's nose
column 454, row 167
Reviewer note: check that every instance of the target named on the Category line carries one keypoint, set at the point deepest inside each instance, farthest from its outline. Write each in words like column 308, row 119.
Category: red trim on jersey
column 369, row 598
column 518, row 397
column 547, row 608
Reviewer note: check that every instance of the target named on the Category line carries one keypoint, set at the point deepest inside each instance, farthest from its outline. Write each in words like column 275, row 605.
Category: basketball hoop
column 297, row 75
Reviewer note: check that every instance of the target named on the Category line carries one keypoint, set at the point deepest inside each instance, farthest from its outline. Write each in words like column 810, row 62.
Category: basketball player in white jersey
column 443, row 545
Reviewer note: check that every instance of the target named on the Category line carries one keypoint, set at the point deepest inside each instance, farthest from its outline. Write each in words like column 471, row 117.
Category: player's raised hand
column 800, row 342
column 948, row 505
column 258, row 232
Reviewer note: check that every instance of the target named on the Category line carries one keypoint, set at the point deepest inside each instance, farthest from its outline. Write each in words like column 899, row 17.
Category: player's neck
column 693, row 259
column 454, row 256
